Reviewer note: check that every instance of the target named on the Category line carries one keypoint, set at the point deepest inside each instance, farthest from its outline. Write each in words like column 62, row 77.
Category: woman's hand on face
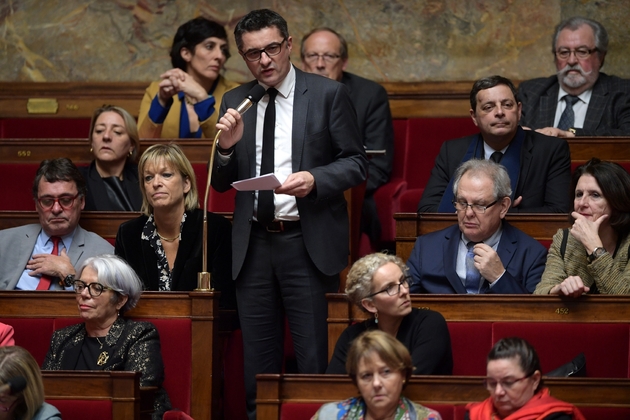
column 587, row 231
column 180, row 81
column 571, row 286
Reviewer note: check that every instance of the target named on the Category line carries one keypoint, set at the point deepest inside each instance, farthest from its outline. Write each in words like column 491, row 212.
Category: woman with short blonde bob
column 27, row 404
column 379, row 285
column 164, row 245
column 380, row 367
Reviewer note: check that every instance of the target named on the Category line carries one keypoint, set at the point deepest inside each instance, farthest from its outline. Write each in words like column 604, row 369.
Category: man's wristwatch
column 67, row 281
column 597, row 252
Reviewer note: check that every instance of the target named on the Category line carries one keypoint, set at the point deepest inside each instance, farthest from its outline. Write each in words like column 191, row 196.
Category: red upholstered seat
column 44, row 128
column 176, row 415
column 33, row 334
column 218, row 202
column 605, row 346
column 17, row 185
column 608, row 413
column 447, row 411
column 298, row 411
column 82, row 409
column 234, row 387
column 470, row 342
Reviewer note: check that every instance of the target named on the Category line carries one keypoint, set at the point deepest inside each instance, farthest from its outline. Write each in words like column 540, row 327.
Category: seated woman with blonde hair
column 379, row 285
column 380, row 367
column 27, row 403
column 514, row 381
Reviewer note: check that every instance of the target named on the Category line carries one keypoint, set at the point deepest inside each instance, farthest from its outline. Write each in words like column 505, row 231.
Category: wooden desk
column 121, row 388
column 275, row 390
column 411, row 225
column 616, row 149
column 202, row 308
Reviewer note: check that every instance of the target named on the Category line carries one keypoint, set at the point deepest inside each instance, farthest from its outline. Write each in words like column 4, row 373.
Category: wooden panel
column 274, row 390
column 411, row 225
column 200, row 307
column 121, row 388
column 605, row 148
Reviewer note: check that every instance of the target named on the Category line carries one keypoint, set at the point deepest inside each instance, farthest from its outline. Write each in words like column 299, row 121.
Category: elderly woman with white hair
column 105, row 289
column 379, row 285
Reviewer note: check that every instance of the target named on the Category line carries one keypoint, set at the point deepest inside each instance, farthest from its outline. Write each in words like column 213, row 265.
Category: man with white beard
column 578, row 100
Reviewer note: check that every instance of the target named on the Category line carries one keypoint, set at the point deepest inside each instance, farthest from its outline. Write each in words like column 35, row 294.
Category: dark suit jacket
column 141, row 256
column 97, row 197
column 433, row 261
column 544, row 180
column 608, row 112
column 327, row 143
column 135, row 347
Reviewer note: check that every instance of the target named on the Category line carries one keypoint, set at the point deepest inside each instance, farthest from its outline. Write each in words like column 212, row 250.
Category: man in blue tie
column 578, row 100
column 539, row 166
column 482, row 253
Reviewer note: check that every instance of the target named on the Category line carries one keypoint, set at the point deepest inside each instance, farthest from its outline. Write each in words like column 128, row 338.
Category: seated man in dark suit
column 539, row 166
column 578, row 100
column 483, row 253
column 325, row 52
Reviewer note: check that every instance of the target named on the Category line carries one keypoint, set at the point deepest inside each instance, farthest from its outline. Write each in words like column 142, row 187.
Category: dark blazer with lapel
column 327, row 143
column 608, row 112
column 544, row 179
column 135, row 347
column 433, row 261
column 141, row 256
column 97, row 198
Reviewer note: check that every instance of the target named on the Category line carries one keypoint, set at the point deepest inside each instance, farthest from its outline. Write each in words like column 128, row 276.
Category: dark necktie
column 44, row 281
column 567, row 119
column 472, row 274
column 266, row 208
column 496, row 157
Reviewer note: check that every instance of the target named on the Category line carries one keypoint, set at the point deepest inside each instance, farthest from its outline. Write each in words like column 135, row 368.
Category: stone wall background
column 389, row 40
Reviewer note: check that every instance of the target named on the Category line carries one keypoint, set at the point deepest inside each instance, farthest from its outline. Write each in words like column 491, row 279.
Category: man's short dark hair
column 487, row 83
column 257, row 20
column 55, row 170
column 343, row 52
column 574, row 23
column 192, row 33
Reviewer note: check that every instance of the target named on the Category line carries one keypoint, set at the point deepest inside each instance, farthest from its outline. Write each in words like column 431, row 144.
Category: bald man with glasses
column 43, row 256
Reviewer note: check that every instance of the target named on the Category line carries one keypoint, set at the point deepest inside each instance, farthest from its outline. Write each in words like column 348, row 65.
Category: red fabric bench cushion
column 298, row 411
column 471, row 342
column 604, row 345
column 33, row 334
column 45, row 128
column 78, row 409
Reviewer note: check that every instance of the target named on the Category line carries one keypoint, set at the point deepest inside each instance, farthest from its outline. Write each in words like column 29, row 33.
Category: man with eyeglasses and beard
column 288, row 245
column 482, row 253
column 325, row 52
column 578, row 100
column 43, row 256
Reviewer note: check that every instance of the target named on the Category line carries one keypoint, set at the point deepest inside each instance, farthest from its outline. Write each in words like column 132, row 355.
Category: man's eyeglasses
column 65, row 201
column 582, row 53
column 394, row 289
column 94, row 289
column 314, row 57
column 271, row 50
column 477, row 208
column 491, row 384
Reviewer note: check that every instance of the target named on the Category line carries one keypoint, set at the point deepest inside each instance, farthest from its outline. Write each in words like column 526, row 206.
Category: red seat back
column 44, row 128
column 77, row 409
column 470, row 343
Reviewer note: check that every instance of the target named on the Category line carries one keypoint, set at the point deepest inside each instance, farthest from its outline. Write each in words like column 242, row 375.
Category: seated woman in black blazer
column 164, row 245
column 112, row 177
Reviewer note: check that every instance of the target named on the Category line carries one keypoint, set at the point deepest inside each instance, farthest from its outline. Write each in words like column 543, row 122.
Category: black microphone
column 254, row 95
column 13, row 386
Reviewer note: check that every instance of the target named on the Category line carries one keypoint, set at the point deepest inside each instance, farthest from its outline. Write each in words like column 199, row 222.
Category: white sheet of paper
column 265, row 182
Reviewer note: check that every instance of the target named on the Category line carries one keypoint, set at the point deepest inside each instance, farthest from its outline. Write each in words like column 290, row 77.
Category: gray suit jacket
column 327, row 143
column 608, row 111
column 16, row 248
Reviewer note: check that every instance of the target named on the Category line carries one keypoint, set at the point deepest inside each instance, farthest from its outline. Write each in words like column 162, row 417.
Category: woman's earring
column 91, row 150
column 131, row 152
column 376, row 317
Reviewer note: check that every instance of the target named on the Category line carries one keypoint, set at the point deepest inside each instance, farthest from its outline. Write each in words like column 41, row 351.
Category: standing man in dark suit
column 287, row 257
column 578, row 100
column 539, row 166
column 325, row 52
column 482, row 253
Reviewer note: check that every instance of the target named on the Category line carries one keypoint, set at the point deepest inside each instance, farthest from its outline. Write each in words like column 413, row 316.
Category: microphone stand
column 204, row 277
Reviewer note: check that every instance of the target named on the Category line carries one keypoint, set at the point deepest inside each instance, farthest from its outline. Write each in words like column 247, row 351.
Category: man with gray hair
column 578, row 100
column 482, row 253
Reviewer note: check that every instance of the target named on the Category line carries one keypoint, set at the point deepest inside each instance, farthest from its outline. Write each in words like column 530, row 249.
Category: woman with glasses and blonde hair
column 105, row 290
column 379, row 285
column 27, row 403
column 112, row 177
column 182, row 104
column 514, row 381
column 380, row 367
column 165, row 245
